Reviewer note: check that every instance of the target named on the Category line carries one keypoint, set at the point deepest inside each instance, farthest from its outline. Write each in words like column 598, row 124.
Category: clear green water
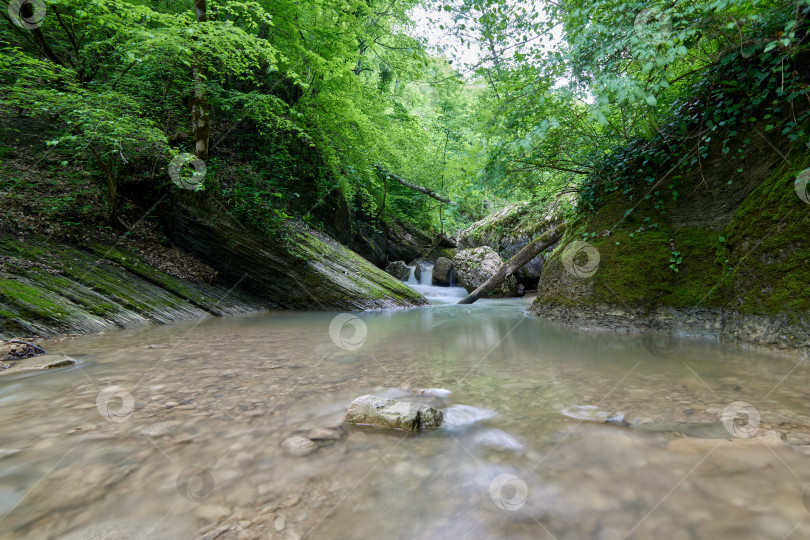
column 211, row 402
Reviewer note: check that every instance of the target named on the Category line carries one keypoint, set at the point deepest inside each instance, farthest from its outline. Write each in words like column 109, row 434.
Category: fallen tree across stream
column 518, row 261
column 415, row 187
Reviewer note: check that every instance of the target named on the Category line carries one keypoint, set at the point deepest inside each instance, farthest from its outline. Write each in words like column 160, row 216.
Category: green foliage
column 675, row 261
column 632, row 88
column 306, row 99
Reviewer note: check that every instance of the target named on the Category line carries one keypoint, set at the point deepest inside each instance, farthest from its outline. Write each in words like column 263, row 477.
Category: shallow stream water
column 176, row 432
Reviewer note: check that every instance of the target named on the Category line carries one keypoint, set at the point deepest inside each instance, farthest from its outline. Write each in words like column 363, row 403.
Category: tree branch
column 415, row 187
column 521, row 258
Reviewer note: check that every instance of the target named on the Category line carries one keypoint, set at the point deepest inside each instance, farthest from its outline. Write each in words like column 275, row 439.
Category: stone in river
column 398, row 269
column 39, row 363
column 298, row 446
column 391, row 414
column 323, row 434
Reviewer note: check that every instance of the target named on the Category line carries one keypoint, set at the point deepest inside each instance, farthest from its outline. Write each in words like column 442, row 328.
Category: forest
column 286, row 269
column 497, row 102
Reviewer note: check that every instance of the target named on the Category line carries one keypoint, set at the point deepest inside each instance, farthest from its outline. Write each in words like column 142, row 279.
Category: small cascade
column 451, row 276
column 426, row 278
column 411, row 276
column 424, row 285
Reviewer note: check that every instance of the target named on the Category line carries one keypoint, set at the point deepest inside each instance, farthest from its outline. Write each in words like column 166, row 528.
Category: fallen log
column 520, row 259
column 415, row 187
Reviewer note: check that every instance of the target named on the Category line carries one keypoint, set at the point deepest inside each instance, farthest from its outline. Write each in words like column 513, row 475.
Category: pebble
column 298, row 446
column 279, row 523
column 440, row 393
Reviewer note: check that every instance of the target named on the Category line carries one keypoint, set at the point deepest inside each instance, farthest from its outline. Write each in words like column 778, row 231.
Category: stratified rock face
column 391, row 414
column 296, row 269
column 406, row 243
column 475, row 266
column 441, row 271
column 399, row 270
column 48, row 289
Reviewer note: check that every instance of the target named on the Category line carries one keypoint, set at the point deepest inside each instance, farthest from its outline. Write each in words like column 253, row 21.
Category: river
column 176, row 432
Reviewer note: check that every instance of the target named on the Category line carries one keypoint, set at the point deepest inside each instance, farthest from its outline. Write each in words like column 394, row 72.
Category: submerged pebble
column 298, row 446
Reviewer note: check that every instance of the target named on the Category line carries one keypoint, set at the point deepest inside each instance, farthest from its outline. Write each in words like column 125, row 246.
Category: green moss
column 769, row 244
column 31, row 300
column 374, row 283
column 446, row 252
column 757, row 265
column 135, row 264
column 93, row 303
column 94, row 273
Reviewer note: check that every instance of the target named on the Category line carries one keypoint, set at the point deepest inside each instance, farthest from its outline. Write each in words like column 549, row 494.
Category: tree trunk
column 415, row 187
column 521, row 258
column 200, row 125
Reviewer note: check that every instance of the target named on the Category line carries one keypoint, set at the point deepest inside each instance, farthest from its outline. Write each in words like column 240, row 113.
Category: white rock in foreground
column 391, row 414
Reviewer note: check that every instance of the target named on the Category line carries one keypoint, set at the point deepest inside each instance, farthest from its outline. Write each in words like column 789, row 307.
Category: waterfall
column 426, row 278
column 424, row 284
column 412, row 275
column 452, row 277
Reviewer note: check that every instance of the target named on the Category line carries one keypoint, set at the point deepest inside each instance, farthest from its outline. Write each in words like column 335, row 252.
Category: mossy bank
column 49, row 287
column 726, row 258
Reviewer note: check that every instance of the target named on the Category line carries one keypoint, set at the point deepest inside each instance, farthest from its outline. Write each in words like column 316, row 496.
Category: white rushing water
column 425, row 287
column 426, row 277
column 412, row 275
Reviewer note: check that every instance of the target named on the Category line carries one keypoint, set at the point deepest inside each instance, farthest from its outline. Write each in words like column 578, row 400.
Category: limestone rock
column 39, row 363
column 405, row 242
column 399, row 270
column 508, row 231
column 475, row 266
column 391, row 414
column 305, row 270
column 441, row 271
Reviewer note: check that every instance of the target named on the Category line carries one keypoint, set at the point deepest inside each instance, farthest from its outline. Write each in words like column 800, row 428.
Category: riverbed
column 177, row 431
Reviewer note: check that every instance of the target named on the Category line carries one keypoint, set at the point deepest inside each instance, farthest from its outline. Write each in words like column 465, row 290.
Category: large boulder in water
column 391, row 414
column 441, row 271
column 475, row 266
column 406, row 242
column 509, row 230
column 399, row 270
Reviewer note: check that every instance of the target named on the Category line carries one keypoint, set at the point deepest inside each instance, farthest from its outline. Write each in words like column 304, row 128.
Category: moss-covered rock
column 727, row 260
column 297, row 269
column 48, row 289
